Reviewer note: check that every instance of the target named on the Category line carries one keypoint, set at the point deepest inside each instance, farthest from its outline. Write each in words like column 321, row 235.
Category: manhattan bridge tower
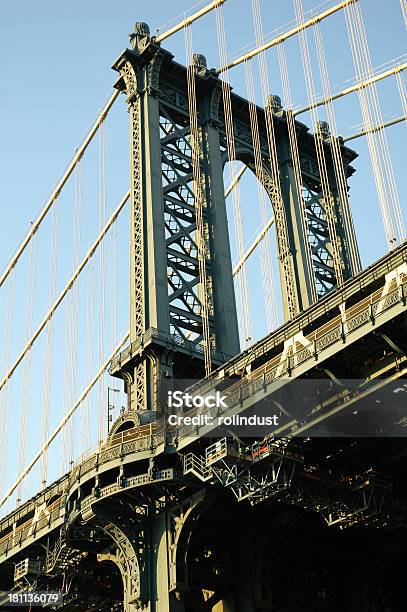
column 169, row 301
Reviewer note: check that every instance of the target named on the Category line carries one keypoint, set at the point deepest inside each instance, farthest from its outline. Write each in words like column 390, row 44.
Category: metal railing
column 151, row 436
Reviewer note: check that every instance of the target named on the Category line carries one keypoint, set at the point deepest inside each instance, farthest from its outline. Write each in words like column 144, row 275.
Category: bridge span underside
column 183, row 520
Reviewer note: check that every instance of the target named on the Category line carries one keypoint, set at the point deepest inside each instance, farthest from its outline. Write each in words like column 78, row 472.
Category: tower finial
column 141, row 36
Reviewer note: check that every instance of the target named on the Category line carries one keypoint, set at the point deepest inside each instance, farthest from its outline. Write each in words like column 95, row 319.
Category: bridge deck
column 370, row 300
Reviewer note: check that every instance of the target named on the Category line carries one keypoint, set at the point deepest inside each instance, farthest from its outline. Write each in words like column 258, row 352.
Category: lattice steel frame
column 166, row 292
column 184, row 289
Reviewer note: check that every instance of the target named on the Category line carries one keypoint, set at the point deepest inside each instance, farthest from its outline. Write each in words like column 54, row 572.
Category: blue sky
column 56, row 76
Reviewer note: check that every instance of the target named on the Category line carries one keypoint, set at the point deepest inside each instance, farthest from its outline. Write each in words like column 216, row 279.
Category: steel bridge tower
column 166, row 512
column 166, row 327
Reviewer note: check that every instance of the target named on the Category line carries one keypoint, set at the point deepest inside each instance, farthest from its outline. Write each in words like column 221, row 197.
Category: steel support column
column 165, row 283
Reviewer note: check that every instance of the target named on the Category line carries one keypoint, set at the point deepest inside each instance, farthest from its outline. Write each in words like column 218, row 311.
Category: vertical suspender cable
column 320, row 151
column 201, row 237
column 32, row 278
column 75, row 303
column 265, row 245
column 339, row 167
column 277, row 198
column 363, row 94
column 6, row 393
column 67, row 380
column 381, row 134
column 71, row 337
column 113, row 285
column 87, row 413
column 403, row 4
column 102, row 206
column 49, row 345
column 377, row 140
column 242, row 283
column 258, row 26
column 292, row 136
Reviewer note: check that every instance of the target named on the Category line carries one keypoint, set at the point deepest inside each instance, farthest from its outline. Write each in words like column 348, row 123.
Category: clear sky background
column 55, row 78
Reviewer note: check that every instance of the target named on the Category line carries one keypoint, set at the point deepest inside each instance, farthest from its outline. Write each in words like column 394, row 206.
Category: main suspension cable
column 395, row 70
column 188, row 20
column 64, row 420
column 376, row 128
column 53, row 198
column 65, row 290
column 279, row 39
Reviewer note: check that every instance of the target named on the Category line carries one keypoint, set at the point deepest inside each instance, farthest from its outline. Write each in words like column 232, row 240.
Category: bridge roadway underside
column 290, row 521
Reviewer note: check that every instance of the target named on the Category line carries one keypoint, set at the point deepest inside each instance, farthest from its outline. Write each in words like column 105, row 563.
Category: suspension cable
column 378, row 148
column 328, row 201
column 376, row 128
column 49, row 345
column 242, row 285
column 88, row 411
column 71, row 344
column 6, row 394
column 188, row 20
column 292, row 136
column 101, row 335
column 78, row 155
column 279, row 39
column 275, row 193
column 395, row 70
column 65, row 290
column 198, row 190
column 364, row 105
column 381, row 135
column 27, row 365
column 339, row 167
column 253, row 246
column 64, row 420
column 265, row 245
